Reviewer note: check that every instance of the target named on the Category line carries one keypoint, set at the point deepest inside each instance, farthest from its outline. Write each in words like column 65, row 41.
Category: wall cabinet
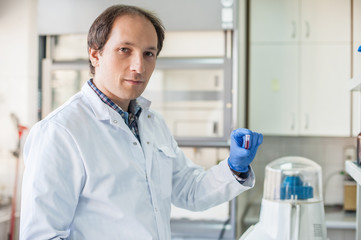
column 273, row 95
column 300, row 20
column 300, row 60
column 325, row 99
column 274, row 20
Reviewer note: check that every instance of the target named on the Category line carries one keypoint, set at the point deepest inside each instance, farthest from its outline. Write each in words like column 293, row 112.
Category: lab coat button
column 149, row 116
column 115, row 121
column 147, row 142
column 134, row 143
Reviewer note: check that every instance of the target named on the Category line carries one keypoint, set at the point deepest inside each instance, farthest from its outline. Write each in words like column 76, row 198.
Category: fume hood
column 194, row 84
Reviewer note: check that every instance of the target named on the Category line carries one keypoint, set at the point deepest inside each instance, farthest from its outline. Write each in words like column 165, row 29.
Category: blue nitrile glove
column 240, row 157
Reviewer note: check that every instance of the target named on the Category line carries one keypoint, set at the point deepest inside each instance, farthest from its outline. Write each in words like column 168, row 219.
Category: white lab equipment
column 292, row 205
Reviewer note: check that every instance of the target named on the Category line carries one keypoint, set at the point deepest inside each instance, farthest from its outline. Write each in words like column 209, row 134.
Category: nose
column 137, row 63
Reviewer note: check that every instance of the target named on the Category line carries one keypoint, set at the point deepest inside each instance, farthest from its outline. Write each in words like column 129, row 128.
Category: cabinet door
column 326, row 20
column 274, row 20
column 356, row 13
column 273, row 89
column 325, row 97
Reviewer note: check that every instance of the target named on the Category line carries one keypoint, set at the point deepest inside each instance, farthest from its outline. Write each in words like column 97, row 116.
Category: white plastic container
column 292, row 205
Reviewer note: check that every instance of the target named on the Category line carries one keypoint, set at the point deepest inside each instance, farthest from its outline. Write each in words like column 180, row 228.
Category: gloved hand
column 240, row 157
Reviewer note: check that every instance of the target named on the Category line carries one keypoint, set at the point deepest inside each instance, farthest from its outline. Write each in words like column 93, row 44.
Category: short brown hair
column 100, row 29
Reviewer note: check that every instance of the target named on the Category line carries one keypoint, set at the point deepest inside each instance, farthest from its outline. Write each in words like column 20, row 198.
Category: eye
column 125, row 50
column 149, row 54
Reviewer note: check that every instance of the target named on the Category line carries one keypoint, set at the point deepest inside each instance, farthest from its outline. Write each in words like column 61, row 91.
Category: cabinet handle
column 293, row 121
column 308, row 29
column 294, row 29
column 216, row 81
column 215, row 127
column 306, row 121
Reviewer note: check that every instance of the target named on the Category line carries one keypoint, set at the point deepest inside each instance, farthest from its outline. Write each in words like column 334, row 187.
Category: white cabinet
column 300, row 60
column 325, row 97
column 295, row 20
column 325, row 20
column 273, row 103
column 274, row 20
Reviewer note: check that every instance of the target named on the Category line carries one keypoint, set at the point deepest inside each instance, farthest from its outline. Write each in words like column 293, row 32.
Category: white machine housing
column 292, row 206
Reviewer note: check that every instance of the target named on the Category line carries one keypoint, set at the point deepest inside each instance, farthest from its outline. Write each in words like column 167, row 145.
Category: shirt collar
column 134, row 107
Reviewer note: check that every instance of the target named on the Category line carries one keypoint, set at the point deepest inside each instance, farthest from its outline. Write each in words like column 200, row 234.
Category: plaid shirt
column 130, row 118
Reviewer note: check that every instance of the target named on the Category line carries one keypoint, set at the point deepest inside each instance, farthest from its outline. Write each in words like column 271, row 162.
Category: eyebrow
column 132, row 44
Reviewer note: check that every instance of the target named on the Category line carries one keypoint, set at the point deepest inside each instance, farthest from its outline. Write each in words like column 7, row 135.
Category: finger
column 256, row 140
column 238, row 134
column 260, row 139
column 241, row 152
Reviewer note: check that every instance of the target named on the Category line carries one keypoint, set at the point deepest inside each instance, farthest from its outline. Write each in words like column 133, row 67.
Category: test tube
column 246, row 141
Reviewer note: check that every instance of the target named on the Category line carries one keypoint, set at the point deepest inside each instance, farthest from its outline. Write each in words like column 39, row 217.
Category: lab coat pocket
column 164, row 160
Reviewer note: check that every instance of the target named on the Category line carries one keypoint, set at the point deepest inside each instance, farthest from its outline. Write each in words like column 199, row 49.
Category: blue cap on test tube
column 359, row 49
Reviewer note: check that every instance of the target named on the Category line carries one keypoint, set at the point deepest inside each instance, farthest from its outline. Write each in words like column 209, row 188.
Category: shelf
column 162, row 63
column 353, row 170
column 355, row 83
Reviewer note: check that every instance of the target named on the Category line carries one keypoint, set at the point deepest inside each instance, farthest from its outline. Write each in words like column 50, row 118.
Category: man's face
column 124, row 66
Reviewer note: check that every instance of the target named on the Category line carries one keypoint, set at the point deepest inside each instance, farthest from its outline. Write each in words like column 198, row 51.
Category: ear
column 94, row 56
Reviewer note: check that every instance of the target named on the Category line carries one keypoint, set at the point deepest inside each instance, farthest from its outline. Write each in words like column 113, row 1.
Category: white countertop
column 353, row 170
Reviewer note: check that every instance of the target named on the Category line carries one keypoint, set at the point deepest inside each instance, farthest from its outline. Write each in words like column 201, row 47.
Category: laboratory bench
column 355, row 172
column 200, row 230
column 340, row 224
column 212, row 224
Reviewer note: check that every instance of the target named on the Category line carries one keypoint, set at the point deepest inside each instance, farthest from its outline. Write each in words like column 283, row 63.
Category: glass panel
column 65, row 83
column 193, row 44
column 70, row 47
column 191, row 100
column 207, row 158
column 189, row 93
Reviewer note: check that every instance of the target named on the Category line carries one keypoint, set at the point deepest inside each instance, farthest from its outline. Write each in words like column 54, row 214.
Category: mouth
column 134, row 82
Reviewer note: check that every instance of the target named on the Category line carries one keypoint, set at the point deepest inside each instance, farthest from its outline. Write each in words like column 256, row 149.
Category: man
column 105, row 166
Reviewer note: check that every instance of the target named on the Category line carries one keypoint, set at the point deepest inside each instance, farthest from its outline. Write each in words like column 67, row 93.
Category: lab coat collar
column 103, row 111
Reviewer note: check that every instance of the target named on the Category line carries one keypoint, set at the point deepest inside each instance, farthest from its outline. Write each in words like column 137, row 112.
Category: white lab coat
column 87, row 177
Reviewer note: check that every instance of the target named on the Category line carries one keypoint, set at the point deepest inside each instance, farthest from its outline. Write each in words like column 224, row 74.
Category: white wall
column 18, row 67
column 18, row 89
